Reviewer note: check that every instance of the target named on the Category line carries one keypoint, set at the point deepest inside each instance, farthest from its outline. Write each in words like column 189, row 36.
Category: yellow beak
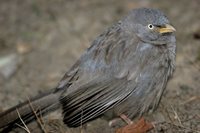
column 167, row 29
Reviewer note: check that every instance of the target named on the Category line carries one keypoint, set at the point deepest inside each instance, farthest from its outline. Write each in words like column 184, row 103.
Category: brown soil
column 49, row 35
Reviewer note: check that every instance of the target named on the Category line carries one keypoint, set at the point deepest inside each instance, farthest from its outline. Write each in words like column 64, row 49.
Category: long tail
column 41, row 104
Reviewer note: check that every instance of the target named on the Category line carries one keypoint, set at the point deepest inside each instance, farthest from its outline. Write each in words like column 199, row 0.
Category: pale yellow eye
column 150, row 26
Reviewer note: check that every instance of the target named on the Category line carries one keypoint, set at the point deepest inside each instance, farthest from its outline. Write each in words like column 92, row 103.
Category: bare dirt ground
column 45, row 37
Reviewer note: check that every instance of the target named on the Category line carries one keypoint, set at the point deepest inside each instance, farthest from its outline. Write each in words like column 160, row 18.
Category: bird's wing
column 101, row 79
column 69, row 77
column 93, row 99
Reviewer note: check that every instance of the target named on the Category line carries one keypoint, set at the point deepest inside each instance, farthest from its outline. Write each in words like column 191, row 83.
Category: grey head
column 150, row 25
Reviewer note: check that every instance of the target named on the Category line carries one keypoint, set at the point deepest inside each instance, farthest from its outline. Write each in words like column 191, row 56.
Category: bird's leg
column 126, row 119
column 113, row 122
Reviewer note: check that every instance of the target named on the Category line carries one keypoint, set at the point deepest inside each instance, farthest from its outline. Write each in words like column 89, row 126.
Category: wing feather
column 96, row 100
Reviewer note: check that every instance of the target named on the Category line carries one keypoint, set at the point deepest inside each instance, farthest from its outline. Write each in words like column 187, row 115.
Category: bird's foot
column 126, row 119
column 141, row 126
column 114, row 122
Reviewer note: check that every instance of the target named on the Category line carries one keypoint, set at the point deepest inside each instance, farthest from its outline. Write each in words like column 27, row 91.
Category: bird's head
column 150, row 25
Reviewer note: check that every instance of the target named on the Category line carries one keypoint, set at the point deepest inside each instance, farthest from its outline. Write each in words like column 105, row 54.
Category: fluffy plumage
column 125, row 71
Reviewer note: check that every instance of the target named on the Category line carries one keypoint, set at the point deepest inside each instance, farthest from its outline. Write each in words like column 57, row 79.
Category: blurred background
column 41, row 39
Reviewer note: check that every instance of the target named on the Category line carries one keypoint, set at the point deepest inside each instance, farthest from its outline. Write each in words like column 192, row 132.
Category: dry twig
column 25, row 127
column 36, row 115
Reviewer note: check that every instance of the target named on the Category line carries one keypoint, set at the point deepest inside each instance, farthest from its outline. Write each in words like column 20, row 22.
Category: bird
column 123, row 73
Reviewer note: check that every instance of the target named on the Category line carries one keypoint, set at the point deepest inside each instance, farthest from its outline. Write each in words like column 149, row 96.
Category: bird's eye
column 150, row 26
